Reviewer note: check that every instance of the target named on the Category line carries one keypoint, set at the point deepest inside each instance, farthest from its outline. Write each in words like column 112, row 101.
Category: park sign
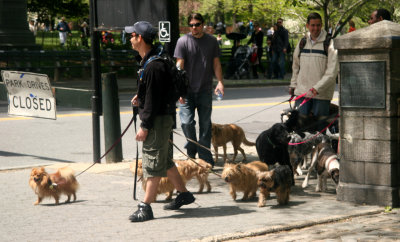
column 29, row 94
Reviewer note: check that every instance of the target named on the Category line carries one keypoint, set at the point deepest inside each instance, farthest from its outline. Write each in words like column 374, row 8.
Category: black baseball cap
column 143, row 28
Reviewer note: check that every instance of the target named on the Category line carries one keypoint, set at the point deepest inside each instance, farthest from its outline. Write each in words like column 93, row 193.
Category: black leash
column 193, row 160
column 288, row 100
column 135, row 112
column 112, row 147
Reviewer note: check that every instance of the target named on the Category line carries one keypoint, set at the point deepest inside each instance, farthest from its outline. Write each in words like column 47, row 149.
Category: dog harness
column 332, row 163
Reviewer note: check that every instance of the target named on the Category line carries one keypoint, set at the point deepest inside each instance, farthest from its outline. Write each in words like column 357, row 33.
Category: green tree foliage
column 52, row 8
column 335, row 13
column 264, row 11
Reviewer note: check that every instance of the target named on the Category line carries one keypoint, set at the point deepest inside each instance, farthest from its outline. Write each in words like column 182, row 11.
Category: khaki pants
column 157, row 154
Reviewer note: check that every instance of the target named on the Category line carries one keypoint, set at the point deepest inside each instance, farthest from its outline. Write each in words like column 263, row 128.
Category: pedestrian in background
column 280, row 43
column 379, row 15
column 257, row 38
column 198, row 54
column 64, row 30
column 314, row 73
column 352, row 26
column 84, row 34
column 156, row 111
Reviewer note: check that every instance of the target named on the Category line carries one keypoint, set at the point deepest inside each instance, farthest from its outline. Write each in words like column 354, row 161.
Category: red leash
column 306, row 99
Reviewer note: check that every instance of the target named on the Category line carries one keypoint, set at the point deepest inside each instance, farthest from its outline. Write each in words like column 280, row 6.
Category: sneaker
column 183, row 198
column 143, row 213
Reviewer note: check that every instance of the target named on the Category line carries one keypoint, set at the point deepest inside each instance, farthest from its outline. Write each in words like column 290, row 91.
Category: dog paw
column 304, row 185
column 299, row 171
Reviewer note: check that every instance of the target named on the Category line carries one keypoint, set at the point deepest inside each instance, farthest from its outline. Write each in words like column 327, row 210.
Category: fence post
column 112, row 124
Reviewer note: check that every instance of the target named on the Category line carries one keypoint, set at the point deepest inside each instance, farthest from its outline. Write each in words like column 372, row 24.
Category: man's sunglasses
column 194, row 25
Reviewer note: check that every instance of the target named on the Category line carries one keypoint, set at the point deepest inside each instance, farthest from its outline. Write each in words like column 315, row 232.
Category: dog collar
column 51, row 184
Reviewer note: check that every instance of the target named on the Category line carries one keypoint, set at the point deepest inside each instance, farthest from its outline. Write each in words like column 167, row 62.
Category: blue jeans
column 201, row 101
column 278, row 62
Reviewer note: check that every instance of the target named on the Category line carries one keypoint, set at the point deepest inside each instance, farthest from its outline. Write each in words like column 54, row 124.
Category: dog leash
column 135, row 112
column 190, row 158
column 288, row 100
column 320, row 132
column 112, row 147
column 306, row 99
column 198, row 144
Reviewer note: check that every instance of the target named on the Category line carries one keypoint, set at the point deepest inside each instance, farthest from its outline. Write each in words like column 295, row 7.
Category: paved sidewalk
column 104, row 203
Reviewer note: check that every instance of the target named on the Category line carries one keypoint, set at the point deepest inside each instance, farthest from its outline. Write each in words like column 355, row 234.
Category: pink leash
column 300, row 96
column 302, row 142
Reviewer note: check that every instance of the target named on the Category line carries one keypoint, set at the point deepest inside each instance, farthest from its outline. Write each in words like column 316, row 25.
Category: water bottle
column 219, row 96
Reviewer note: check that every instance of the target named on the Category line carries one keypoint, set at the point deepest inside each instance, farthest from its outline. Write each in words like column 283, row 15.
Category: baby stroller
column 239, row 64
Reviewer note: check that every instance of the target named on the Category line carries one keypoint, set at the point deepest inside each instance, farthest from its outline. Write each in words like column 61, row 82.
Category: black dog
column 272, row 145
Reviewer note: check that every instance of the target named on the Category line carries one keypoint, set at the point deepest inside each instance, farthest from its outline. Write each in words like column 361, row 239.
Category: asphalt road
column 30, row 142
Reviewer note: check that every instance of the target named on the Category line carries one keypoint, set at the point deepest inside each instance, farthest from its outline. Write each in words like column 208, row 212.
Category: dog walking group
column 281, row 148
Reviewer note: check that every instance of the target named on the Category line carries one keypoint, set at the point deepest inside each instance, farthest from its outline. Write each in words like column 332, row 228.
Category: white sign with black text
column 29, row 94
column 164, row 31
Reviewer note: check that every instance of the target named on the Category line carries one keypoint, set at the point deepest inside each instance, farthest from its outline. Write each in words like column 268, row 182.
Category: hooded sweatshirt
column 315, row 69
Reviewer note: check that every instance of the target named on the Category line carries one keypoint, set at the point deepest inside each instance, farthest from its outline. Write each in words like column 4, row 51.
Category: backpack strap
column 326, row 44
column 152, row 58
column 302, row 44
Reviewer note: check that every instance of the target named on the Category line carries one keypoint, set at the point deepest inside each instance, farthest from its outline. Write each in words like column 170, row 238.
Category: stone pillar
column 14, row 30
column 369, row 60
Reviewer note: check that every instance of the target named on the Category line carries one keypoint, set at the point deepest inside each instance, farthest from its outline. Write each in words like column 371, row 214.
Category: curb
column 282, row 228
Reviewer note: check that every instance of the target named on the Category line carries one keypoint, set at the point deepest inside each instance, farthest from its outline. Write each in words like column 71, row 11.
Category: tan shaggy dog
column 224, row 133
column 53, row 185
column 186, row 168
column 243, row 177
column 278, row 180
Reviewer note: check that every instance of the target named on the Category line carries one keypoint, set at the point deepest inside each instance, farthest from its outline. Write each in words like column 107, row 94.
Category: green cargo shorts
column 157, row 150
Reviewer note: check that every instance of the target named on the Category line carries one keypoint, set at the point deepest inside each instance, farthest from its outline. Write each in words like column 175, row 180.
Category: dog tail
column 248, row 143
column 68, row 174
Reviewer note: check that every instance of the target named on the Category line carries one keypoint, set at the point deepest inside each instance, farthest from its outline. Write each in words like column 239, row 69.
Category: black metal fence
column 75, row 62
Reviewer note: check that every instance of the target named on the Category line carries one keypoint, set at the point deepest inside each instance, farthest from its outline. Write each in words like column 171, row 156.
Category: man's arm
column 180, row 63
column 218, row 75
column 285, row 40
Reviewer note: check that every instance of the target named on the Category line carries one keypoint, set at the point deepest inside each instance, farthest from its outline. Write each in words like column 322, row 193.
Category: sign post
column 29, row 94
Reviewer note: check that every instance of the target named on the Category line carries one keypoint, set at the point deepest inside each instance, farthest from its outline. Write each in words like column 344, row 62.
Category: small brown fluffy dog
column 278, row 180
column 243, row 177
column 186, row 168
column 53, row 185
column 224, row 133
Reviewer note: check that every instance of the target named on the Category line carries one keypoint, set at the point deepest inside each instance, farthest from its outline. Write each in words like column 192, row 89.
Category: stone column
column 14, row 30
column 369, row 60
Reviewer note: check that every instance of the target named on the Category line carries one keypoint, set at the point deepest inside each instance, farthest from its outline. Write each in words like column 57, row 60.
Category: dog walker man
column 198, row 53
column 156, row 112
column 314, row 70
column 379, row 15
